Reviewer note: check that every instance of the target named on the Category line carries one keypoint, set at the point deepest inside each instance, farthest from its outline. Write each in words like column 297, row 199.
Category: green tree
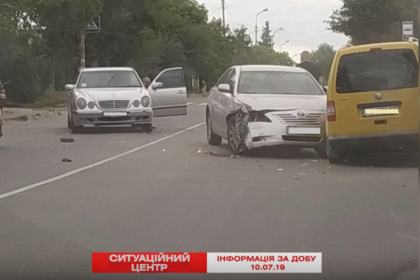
column 369, row 21
column 267, row 37
column 324, row 57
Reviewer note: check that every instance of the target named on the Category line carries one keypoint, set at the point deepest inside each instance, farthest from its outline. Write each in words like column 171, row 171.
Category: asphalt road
column 127, row 191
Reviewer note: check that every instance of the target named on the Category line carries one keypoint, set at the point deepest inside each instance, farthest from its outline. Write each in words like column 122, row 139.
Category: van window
column 377, row 70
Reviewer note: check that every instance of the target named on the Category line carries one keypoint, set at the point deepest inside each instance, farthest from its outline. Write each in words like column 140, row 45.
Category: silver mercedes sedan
column 117, row 96
column 254, row 106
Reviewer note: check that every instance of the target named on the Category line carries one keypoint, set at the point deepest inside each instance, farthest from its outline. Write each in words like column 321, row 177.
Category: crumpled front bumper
column 275, row 134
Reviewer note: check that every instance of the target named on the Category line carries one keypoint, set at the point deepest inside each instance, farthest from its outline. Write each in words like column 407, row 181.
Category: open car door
column 169, row 93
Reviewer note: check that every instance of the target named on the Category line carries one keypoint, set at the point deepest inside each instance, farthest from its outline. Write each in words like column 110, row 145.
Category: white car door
column 169, row 93
column 216, row 110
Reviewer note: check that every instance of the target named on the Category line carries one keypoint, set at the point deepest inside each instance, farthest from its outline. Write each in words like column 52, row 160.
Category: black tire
column 68, row 122
column 74, row 129
column 234, row 144
column 212, row 138
column 147, row 128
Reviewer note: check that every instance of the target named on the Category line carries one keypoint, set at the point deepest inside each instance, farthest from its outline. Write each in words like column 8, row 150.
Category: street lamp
column 256, row 24
column 274, row 34
column 278, row 29
column 281, row 46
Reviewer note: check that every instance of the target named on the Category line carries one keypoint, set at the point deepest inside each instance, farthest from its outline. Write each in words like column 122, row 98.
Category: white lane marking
column 411, row 225
column 406, row 236
column 398, row 218
column 202, row 104
column 190, row 103
column 102, row 162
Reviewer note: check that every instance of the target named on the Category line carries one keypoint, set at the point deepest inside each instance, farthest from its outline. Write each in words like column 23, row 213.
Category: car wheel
column 236, row 145
column 68, row 120
column 212, row 138
column 74, row 129
column 147, row 128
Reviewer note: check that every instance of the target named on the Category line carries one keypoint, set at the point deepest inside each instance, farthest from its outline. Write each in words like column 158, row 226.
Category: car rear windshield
column 377, row 70
column 109, row 79
column 278, row 82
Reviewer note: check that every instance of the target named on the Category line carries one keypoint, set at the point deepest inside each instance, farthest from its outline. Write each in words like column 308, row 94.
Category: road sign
column 407, row 30
column 94, row 26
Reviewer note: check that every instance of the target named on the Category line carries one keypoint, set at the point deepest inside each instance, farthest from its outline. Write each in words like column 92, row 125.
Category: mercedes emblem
column 301, row 114
column 378, row 95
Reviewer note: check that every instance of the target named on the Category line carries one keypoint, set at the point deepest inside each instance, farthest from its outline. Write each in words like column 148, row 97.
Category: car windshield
column 377, row 70
column 277, row 82
column 109, row 79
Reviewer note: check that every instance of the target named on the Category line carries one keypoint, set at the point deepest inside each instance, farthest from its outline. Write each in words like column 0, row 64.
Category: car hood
column 112, row 93
column 283, row 102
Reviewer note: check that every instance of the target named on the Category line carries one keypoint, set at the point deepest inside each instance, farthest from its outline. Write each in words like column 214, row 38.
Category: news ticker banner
column 206, row 262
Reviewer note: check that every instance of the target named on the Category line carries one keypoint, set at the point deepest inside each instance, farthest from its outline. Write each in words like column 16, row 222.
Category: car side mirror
column 157, row 85
column 325, row 89
column 226, row 88
column 69, row 87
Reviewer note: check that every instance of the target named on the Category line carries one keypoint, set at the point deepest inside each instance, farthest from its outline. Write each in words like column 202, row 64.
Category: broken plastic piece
column 67, row 140
column 219, row 154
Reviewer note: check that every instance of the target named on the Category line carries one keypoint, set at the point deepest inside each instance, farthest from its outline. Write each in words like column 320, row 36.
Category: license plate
column 304, row 130
column 115, row 114
column 381, row 111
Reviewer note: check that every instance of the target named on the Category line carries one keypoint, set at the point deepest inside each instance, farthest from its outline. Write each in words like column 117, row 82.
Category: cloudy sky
column 302, row 20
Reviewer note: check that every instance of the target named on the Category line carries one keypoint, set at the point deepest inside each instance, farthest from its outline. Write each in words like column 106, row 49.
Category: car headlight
column 81, row 103
column 91, row 105
column 136, row 103
column 256, row 116
column 145, row 101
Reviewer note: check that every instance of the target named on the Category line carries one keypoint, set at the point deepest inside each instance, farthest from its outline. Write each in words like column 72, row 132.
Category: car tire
column 232, row 136
column 68, row 121
column 74, row 129
column 212, row 138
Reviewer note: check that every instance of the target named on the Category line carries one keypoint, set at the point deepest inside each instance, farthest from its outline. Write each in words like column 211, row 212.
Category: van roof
column 388, row 45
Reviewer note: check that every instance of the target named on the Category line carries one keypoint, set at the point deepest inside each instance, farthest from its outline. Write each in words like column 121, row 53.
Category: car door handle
column 181, row 92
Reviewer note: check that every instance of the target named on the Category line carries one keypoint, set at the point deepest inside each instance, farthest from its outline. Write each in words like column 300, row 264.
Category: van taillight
column 331, row 111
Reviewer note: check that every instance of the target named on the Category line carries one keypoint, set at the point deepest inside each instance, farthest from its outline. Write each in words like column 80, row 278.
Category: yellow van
column 372, row 100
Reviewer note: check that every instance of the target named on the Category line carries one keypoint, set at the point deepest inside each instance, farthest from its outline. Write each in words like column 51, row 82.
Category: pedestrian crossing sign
column 94, row 26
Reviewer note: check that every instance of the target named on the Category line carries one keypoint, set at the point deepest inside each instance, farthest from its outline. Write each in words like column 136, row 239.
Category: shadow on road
column 281, row 153
column 378, row 161
column 102, row 130
column 385, row 161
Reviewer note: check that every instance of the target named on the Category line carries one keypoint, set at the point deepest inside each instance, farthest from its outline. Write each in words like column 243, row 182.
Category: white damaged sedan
column 117, row 96
column 255, row 106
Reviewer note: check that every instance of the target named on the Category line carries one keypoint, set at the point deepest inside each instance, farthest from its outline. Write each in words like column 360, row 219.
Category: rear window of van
column 377, row 70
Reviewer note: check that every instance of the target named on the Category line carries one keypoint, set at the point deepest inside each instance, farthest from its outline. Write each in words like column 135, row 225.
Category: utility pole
column 223, row 14
column 82, row 49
